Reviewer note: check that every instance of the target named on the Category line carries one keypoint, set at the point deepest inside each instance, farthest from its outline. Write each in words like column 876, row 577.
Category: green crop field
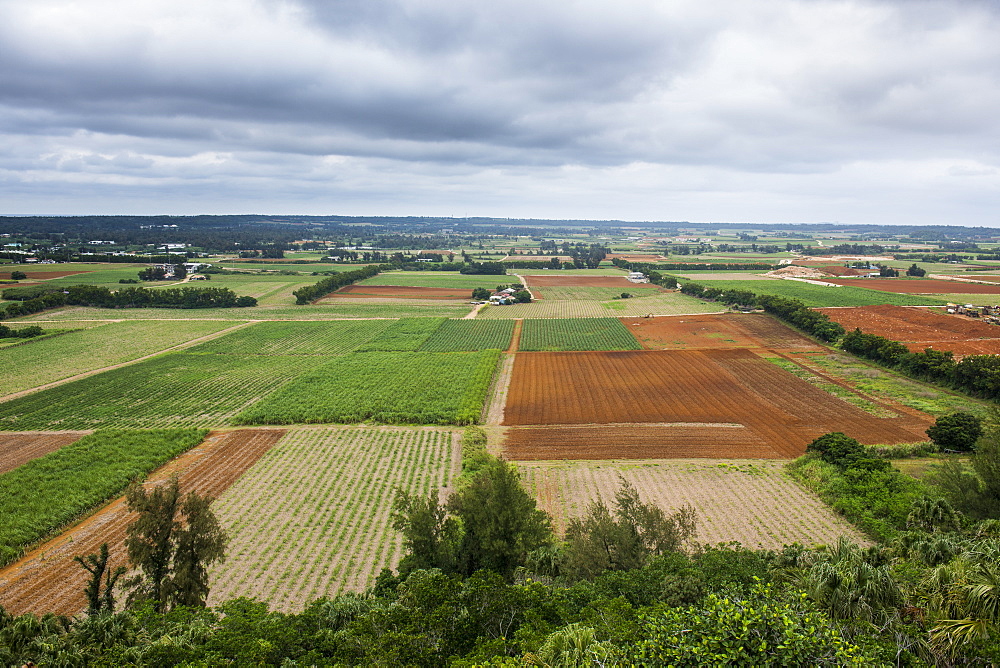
column 107, row 274
column 470, row 335
column 603, row 270
column 577, row 334
column 391, row 387
column 39, row 362
column 41, row 496
column 572, row 292
column 407, row 334
column 438, row 279
column 332, row 490
column 819, row 296
column 671, row 303
column 296, row 338
column 173, row 390
column 328, row 310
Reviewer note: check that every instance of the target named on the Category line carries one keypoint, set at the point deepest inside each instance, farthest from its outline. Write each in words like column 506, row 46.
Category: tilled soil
column 20, row 448
column 48, row 580
column 928, row 286
column 688, row 332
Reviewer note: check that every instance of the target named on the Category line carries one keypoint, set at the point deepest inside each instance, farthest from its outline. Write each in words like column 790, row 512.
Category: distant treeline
column 978, row 375
column 140, row 297
column 790, row 310
column 310, row 293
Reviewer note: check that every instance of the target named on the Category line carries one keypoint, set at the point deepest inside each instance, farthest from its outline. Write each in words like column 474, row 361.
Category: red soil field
column 48, row 580
column 17, row 449
column 840, row 270
column 991, row 278
column 917, row 286
column 636, row 257
column 402, row 292
column 921, row 328
column 658, row 389
column 691, row 332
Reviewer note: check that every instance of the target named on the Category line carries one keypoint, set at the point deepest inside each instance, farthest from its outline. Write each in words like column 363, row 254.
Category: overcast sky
column 701, row 110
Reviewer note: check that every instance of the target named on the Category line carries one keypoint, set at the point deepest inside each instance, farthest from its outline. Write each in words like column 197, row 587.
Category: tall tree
column 172, row 542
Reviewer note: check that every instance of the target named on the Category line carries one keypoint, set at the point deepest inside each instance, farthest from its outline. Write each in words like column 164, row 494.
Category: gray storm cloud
column 785, row 110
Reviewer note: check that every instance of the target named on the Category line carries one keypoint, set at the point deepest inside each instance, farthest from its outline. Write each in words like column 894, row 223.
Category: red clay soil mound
column 402, row 292
column 689, row 386
column 48, row 580
column 921, row 286
column 17, row 449
column 910, row 324
column 690, row 332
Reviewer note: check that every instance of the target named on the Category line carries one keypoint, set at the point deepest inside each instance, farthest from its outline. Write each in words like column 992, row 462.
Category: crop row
column 312, row 517
column 438, row 279
column 469, row 335
column 296, row 338
column 177, row 389
column 577, row 334
column 43, row 495
column 403, row 335
column 389, row 387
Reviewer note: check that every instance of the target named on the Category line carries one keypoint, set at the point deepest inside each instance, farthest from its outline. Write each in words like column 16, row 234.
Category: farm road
column 85, row 374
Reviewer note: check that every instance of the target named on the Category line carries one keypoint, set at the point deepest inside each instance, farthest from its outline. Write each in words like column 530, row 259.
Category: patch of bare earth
column 20, row 448
column 48, row 580
column 749, row 501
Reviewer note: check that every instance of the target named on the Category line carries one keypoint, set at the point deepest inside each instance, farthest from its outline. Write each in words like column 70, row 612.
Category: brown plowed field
column 48, row 580
column 402, row 292
column 17, row 449
column 579, row 281
column 989, row 278
column 921, row 328
column 636, row 441
column 691, row 332
column 928, row 286
column 705, row 387
column 636, row 257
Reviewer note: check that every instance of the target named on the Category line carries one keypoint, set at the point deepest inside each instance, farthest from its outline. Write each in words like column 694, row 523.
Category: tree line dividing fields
column 819, row 296
column 311, row 518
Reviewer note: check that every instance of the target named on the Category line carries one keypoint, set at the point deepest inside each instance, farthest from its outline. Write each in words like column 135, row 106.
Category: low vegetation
column 388, row 387
column 407, row 334
column 469, row 335
column 577, row 334
column 295, row 338
column 43, row 495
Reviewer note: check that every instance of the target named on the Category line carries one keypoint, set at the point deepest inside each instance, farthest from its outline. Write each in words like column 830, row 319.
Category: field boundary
column 94, row 372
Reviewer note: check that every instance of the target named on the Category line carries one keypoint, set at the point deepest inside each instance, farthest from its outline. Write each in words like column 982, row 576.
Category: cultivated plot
column 18, row 449
column 174, row 390
column 296, row 338
column 914, row 286
column 311, row 518
column 402, row 292
column 327, row 310
column 678, row 403
column 469, row 335
column 749, row 501
column 818, row 296
column 730, row 330
column 48, row 580
column 671, row 303
column 51, row 359
column 576, row 334
column 922, row 328
column 388, row 387
column 438, row 279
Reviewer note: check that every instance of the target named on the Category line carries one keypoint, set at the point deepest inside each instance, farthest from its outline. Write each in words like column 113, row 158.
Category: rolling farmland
column 671, row 303
column 312, row 517
column 731, row 330
column 819, row 296
column 752, row 502
column 407, row 334
column 295, row 338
